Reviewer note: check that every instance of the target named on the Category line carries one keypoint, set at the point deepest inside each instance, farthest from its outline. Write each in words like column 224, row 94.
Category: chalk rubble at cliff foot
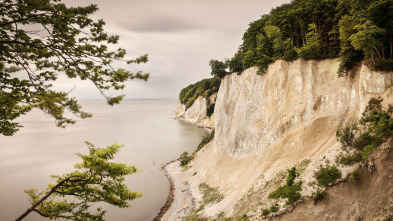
column 196, row 114
column 266, row 124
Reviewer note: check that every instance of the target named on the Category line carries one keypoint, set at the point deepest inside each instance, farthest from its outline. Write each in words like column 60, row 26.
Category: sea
column 147, row 128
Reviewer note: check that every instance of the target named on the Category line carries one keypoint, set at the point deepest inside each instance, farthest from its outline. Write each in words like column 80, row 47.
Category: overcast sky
column 180, row 36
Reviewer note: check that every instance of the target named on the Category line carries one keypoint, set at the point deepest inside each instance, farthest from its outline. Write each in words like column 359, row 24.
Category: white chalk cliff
column 196, row 114
column 267, row 123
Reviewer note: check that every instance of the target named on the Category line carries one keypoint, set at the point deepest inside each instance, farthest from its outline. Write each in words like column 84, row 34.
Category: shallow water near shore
column 150, row 135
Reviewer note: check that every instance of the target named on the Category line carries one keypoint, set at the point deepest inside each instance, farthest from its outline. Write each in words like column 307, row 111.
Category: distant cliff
column 196, row 114
column 287, row 117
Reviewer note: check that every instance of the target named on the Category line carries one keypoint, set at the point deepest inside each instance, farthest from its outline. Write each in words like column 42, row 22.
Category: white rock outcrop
column 196, row 114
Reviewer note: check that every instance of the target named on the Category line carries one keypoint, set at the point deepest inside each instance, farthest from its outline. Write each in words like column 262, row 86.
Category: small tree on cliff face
column 95, row 179
column 42, row 38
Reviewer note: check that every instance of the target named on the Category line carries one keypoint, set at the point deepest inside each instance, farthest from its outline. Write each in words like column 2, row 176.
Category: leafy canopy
column 39, row 39
column 96, row 179
column 350, row 30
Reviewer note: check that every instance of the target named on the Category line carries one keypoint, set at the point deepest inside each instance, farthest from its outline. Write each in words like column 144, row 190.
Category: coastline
column 170, row 198
column 180, row 201
column 208, row 129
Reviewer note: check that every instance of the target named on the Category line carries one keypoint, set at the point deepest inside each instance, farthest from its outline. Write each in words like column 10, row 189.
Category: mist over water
column 150, row 135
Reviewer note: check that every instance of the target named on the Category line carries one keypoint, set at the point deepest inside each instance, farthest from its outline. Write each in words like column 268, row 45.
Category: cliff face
column 268, row 123
column 196, row 114
column 255, row 112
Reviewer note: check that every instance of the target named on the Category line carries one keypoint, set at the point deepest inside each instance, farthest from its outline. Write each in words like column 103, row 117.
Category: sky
column 180, row 37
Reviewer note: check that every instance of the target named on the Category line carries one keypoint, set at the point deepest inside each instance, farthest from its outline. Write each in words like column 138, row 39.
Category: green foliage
column 205, row 140
column 265, row 212
column 290, row 190
column 349, row 30
column 205, row 88
column 377, row 126
column 327, row 175
column 46, row 39
column 274, row 208
column 291, row 193
column 348, row 55
column 210, row 194
column 345, row 136
column 185, row 159
column 367, row 150
column 367, row 39
column 291, row 176
column 363, row 140
column 96, row 179
column 210, row 110
column 312, row 48
column 235, row 64
column 383, row 64
column 318, row 195
column 374, row 104
column 355, row 175
column 350, row 159
column 380, row 128
column 300, row 167
column 244, row 217
column 194, row 217
column 218, row 68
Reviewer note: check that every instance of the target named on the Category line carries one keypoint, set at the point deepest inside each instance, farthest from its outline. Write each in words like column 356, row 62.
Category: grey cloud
column 180, row 36
column 162, row 24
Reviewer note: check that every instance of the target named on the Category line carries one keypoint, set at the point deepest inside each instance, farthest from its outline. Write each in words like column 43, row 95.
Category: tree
column 218, row 68
column 235, row 64
column 311, row 50
column 348, row 55
column 41, row 39
column 279, row 45
column 95, row 179
column 368, row 39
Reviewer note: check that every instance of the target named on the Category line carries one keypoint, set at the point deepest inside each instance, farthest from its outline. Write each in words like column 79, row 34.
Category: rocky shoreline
column 180, row 201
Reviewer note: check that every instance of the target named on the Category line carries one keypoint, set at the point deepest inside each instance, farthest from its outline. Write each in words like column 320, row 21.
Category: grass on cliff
column 210, row 194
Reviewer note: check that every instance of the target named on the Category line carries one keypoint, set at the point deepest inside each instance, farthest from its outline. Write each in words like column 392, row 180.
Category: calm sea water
column 147, row 129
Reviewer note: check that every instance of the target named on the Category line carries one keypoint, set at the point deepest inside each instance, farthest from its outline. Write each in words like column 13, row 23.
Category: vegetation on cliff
column 351, row 30
column 185, row 159
column 205, row 88
column 373, row 129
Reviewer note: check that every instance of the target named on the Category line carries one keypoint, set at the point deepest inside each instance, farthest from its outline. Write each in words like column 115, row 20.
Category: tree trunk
column 28, row 211
column 283, row 47
column 391, row 46
column 377, row 52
